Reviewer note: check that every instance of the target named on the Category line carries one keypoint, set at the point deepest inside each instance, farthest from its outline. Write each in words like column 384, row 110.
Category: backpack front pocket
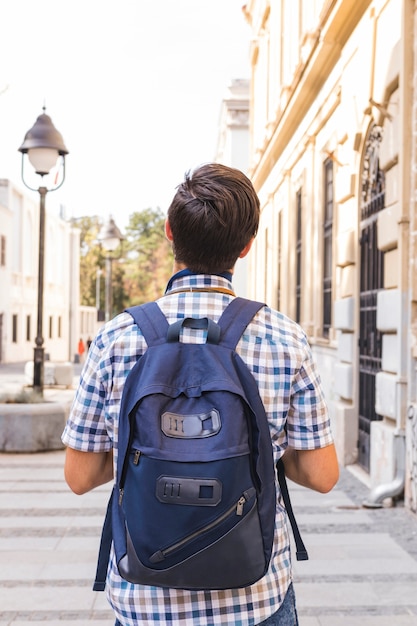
column 229, row 517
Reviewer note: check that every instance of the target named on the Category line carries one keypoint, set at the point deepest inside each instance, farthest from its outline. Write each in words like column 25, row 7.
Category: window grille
column 28, row 325
column 371, row 281
column 2, row 251
column 298, row 257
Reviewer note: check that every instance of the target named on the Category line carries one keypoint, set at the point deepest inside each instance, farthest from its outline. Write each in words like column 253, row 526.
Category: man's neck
column 178, row 267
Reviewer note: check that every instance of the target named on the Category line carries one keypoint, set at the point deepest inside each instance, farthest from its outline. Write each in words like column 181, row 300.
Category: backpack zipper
column 135, row 462
column 160, row 555
column 136, row 457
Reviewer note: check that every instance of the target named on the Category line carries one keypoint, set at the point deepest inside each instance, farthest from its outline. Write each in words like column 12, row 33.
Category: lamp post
column 43, row 145
column 109, row 237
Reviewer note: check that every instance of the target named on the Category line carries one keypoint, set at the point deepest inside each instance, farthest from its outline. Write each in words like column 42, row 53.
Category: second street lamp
column 43, row 145
column 109, row 237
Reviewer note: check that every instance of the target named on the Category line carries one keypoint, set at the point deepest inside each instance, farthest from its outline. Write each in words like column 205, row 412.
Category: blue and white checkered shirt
column 277, row 353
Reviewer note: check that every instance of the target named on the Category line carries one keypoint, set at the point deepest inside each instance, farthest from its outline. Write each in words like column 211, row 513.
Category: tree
column 141, row 267
column 91, row 258
column 92, row 267
column 149, row 258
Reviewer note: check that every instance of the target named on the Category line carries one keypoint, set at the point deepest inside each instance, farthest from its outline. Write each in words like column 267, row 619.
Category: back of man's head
column 213, row 216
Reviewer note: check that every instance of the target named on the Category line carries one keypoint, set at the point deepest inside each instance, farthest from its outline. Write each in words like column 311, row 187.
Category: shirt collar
column 187, row 280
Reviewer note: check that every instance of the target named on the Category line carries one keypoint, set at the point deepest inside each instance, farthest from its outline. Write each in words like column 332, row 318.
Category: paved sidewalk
column 362, row 569
column 48, row 545
column 363, row 562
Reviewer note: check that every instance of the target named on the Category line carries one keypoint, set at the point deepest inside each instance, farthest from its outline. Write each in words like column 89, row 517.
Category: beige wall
column 322, row 74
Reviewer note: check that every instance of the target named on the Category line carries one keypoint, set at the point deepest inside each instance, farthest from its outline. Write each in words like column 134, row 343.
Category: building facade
column 19, row 242
column 333, row 159
column 233, row 150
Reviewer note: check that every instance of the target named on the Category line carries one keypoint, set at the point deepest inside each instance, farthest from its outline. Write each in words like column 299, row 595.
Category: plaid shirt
column 277, row 353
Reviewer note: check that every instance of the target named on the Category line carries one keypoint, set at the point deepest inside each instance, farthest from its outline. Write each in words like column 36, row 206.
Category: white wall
column 19, row 223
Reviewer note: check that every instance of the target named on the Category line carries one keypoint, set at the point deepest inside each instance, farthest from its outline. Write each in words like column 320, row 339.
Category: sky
column 134, row 86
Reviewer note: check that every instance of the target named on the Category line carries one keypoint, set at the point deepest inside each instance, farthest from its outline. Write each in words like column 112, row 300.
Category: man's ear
column 246, row 248
column 168, row 231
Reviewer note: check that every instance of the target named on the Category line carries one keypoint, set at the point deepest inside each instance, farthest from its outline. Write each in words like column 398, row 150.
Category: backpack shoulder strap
column 235, row 318
column 301, row 552
column 151, row 321
column 105, row 547
column 154, row 326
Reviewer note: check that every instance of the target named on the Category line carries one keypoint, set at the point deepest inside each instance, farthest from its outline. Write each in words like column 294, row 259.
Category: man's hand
column 86, row 470
column 317, row 469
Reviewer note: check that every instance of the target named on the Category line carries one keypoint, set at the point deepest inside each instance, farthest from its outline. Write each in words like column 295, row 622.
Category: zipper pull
column 136, row 457
column 239, row 508
column 121, row 492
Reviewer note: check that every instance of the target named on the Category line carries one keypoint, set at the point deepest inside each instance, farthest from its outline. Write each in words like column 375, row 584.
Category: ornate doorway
column 371, row 281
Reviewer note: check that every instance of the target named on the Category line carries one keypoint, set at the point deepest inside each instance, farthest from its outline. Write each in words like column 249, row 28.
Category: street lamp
column 109, row 237
column 43, row 145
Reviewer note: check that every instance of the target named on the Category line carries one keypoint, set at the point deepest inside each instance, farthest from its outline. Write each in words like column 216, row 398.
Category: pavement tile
column 82, row 569
column 53, row 500
column 354, row 568
column 34, row 598
column 361, row 620
column 303, row 499
column 353, row 554
column 349, row 594
column 39, row 522
column 332, row 518
column 21, row 546
column 79, row 544
column 91, row 622
column 30, row 473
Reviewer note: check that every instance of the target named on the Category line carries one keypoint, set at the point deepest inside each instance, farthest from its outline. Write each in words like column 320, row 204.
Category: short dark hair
column 213, row 216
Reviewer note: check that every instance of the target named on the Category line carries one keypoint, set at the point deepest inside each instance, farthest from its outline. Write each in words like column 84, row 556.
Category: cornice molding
column 331, row 37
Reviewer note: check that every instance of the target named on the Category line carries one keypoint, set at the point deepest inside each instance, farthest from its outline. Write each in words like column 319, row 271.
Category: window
column 266, row 263
column 327, row 246
column 279, row 259
column 60, row 327
column 28, row 328
column 298, row 257
column 50, row 326
column 2, row 251
column 14, row 328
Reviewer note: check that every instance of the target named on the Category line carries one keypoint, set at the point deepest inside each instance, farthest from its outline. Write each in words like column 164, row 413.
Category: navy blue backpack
column 194, row 503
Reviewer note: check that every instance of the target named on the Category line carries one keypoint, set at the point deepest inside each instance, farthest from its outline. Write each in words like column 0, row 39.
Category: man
column 212, row 221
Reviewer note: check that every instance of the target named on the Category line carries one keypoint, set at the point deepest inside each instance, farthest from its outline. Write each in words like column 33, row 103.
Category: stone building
column 333, row 159
column 233, row 150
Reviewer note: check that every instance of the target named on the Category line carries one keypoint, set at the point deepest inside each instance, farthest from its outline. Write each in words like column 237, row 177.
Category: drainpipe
column 395, row 487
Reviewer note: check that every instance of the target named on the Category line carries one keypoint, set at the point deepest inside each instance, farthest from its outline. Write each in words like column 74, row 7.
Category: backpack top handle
column 203, row 323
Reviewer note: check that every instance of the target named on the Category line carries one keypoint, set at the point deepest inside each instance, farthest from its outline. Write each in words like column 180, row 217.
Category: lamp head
column 110, row 235
column 43, row 144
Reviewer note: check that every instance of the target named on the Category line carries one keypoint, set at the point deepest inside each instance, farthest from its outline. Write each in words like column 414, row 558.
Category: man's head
column 213, row 218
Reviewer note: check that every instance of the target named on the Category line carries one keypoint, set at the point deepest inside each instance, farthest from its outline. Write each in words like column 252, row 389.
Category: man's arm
column 317, row 469
column 86, row 470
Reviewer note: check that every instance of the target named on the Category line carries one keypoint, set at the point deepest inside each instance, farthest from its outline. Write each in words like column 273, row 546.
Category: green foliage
column 91, row 259
column 149, row 258
column 141, row 267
